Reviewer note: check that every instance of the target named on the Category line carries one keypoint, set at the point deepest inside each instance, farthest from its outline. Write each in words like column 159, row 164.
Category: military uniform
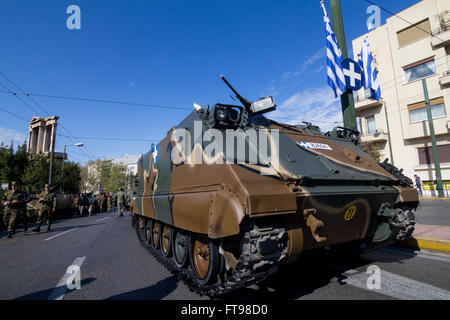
column 16, row 209
column 48, row 202
column 101, row 203
column 108, row 201
column 121, row 198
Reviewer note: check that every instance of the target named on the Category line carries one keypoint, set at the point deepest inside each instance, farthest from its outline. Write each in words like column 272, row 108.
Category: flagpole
column 347, row 101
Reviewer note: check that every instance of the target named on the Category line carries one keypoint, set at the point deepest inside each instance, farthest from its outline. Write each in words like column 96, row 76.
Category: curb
column 426, row 243
column 420, row 199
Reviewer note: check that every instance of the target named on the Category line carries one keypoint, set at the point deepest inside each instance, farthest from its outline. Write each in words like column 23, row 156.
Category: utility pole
column 50, row 174
column 437, row 166
column 347, row 101
column 388, row 132
column 61, row 184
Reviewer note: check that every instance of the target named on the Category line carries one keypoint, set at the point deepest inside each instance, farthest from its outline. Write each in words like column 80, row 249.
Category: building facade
column 130, row 161
column 41, row 134
column 405, row 52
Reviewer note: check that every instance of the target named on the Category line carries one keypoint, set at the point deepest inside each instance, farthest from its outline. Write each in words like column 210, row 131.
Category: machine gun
column 260, row 106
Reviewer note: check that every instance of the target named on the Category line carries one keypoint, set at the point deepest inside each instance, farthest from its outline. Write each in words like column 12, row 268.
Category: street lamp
column 79, row 144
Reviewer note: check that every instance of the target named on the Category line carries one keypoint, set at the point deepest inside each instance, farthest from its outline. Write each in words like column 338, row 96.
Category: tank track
column 398, row 173
column 237, row 281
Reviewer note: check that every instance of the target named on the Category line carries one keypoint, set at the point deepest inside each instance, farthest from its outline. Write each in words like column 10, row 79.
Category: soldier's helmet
column 15, row 183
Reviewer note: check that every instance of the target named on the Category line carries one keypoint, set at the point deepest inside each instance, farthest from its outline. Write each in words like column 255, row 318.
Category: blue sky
column 164, row 53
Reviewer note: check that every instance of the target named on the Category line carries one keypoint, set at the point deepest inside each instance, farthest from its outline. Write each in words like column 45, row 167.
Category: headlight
column 221, row 114
column 233, row 115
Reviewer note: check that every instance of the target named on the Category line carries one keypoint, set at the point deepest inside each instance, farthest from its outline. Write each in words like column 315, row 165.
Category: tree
column 13, row 164
column 35, row 175
column 110, row 176
column 372, row 149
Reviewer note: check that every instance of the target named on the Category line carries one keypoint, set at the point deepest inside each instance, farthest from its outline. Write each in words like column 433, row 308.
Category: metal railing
column 361, row 95
column 444, row 26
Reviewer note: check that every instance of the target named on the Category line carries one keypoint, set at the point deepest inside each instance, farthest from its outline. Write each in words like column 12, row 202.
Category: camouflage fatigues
column 108, row 201
column 15, row 211
column 48, row 202
column 121, row 198
column 102, row 204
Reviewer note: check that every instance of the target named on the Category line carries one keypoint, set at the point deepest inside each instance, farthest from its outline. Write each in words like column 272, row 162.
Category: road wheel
column 180, row 246
column 156, row 234
column 204, row 257
column 147, row 230
column 166, row 240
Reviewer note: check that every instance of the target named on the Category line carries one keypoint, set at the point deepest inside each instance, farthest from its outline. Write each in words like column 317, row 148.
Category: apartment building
column 405, row 52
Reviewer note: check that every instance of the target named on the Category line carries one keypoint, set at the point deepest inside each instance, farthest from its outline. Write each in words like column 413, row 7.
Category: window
column 426, row 154
column 418, row 111
column 371, row 129
column 420, row 69
column 418, row 31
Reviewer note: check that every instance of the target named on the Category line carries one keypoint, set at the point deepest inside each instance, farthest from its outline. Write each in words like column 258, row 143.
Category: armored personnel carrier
column 229, row 195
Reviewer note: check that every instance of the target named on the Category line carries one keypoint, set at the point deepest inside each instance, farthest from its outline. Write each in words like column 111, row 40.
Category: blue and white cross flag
column 354, row 74
column 370, row 73
column 335, row 76
column 155, row 153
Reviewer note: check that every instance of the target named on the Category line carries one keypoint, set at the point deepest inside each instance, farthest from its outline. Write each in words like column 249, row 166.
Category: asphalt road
column 113, row 265
column 434, row 212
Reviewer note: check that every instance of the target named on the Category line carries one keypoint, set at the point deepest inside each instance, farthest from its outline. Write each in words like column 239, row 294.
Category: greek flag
column 335, row 76
column 155, row 153
column 370, row 73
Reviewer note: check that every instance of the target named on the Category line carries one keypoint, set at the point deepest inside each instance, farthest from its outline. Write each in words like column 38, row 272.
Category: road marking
column 390, row 254
column 60, row 234
column 396, row 286
column 102, row 219
column 61, row 288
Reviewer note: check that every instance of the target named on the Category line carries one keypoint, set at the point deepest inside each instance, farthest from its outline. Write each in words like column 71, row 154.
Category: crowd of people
column 102, row 202
column 13, row 203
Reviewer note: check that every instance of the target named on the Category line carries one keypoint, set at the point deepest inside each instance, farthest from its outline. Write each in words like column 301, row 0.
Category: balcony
column 363, row 100
column 377, row 136
column 441, row 35
column 445, row 79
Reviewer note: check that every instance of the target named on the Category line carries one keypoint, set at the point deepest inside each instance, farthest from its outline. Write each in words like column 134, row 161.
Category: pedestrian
column 121, row 198
column 418, row 184
column 75, row 205
column 113, row 202
column 91, row 210
column 47, row 203
column 15, row 207
column 102, row 202
column 81, row 203
column 108, row 201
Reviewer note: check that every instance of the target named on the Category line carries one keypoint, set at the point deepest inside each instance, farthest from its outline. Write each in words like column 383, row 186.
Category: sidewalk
column 433, row 198
column 429, row 237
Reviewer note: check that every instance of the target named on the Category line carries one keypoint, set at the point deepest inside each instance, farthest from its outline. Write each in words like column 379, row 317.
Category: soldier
column 108, row 201
column 121, row 198
column 15, row 207
column 48, row 206
column 102, row 202
column 113, row 202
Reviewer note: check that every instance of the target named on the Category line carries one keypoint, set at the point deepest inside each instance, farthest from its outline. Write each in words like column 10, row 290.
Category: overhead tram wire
column 42, row 108
column 29, row 94
column 396, row 15
column 13, row 114
column 114, row 139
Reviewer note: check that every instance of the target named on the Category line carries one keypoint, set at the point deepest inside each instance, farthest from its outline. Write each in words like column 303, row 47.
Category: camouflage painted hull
column 323, row 191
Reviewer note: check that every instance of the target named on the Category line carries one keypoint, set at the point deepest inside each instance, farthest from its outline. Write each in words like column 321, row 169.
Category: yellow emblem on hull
column 350, row 213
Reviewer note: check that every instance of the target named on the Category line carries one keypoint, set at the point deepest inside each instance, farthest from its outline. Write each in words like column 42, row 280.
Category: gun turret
column 247, row 104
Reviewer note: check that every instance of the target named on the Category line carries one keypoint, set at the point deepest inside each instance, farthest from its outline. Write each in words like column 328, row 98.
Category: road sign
column 353, row 73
